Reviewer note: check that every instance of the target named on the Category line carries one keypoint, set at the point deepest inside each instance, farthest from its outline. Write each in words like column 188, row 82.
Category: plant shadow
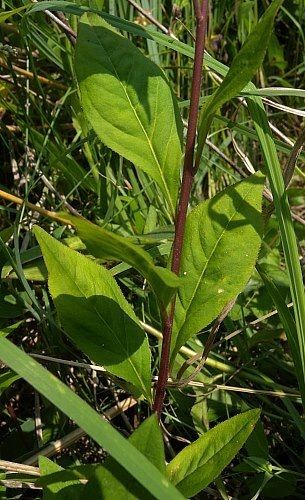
column 100, row 328
column 246, row 212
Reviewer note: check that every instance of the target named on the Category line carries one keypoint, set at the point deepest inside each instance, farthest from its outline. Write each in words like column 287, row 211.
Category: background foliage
column 50, row 156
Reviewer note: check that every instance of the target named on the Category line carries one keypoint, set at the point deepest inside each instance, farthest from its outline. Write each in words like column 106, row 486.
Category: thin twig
column 293, row 158
column 207, row 348
column 68, row 362
column 8, row 483
column 222, row 387
column 289, row 169
column 50, row 186
column 46, row 213
column 19, row 468
column 60, row 20
column 38, row 425
column 151, row 18
column 251, row 323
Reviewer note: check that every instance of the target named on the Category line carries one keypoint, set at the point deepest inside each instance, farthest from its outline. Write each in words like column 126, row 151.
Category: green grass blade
column 284, row 314
column 86, row 418
column 243, row 68
column 288, row 237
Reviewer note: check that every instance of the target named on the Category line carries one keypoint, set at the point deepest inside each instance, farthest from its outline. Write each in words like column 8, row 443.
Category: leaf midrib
column 205, row 463
column 211, row 255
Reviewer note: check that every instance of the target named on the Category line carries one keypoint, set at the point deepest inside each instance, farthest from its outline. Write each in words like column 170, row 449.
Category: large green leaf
column 95, row 314
column 222, row 240
column 197, row 465
column 243, row 68
column 89, row 420
column 148, row 440
column 111, row 482
column 129, row 103
column 104, row 244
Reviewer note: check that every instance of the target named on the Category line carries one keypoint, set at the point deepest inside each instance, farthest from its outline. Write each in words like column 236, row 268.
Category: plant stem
column 187, row 181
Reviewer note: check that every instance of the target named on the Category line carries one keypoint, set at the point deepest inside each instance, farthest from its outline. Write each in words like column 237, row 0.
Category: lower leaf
column 95, row 314
column 197, row 465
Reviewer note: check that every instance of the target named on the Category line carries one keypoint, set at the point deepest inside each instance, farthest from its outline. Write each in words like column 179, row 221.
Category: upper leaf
column 129, row 103
column 197, row 465
column 242, row 70
column 95, row 314
column 105, row 244
column 221, row 244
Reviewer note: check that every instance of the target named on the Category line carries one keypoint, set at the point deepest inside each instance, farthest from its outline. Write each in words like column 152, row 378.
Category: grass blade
column 86, row 418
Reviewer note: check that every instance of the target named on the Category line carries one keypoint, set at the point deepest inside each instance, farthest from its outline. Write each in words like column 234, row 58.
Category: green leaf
column 9, row 13
column 104, row 244
column 111, row 481
column 68, row 490
column 95, row 314
column 148, row 439
column 243, row 68
column 222, row 240
column 129, row 103
column 283, row 485
column 5, row 234
column 89, row 420
column 7, row 330
column 197, row 465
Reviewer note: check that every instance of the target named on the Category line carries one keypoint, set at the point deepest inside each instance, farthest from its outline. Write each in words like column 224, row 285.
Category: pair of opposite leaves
column 222, row 240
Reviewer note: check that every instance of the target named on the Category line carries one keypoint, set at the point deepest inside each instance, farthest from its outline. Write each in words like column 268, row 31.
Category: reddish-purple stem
column 187, row 181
